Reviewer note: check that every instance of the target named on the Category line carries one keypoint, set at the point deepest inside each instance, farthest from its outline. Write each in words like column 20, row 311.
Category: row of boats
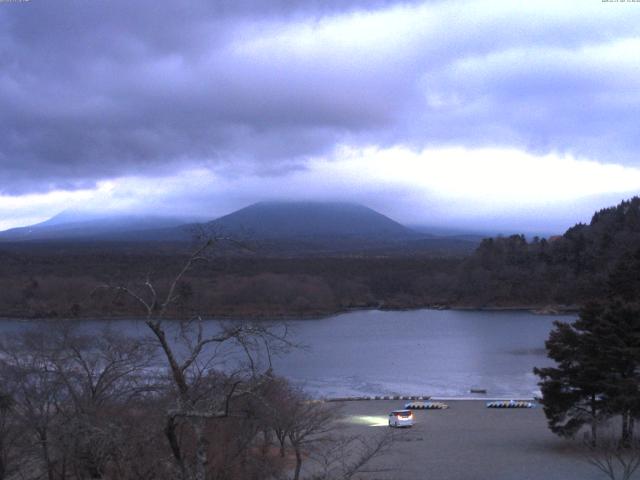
column 493, row 404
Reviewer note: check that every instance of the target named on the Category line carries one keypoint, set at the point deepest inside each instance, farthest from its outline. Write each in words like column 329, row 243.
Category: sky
column 519, row 116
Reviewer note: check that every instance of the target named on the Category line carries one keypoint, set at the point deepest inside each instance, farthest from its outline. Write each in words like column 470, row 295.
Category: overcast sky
column 516, row 115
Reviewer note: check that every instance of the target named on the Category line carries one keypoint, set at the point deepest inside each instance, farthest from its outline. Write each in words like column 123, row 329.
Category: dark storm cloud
column 93, row 89
column 90, row 90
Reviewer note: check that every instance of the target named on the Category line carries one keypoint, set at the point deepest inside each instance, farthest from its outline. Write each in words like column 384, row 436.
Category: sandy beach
column 469, row 442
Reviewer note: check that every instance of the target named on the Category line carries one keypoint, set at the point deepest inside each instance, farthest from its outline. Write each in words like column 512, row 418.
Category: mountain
column 77, row 225
column 311, row 220
column 275, row 228
column 300, row 228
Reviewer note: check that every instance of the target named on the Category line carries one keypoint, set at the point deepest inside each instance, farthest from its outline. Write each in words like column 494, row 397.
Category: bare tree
column 201, row 393
column 71, row 391
column 140, row 452
column 312, row 430
column 278, row 403
column 38, row 394
column 346, row 457
column 615, row 459
column 10, row 436
column 101, row 375
column 311, row 422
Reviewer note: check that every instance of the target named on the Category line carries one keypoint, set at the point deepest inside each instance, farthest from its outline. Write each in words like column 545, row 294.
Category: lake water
column 439, row 353
column 421, row 352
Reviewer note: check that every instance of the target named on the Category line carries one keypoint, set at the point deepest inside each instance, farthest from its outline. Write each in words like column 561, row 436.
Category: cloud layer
column 95, row 91
column 455, row 187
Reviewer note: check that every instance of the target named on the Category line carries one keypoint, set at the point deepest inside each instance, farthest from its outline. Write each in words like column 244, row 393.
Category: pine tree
column 616, row 335
column 573, row 391
column 598, row 370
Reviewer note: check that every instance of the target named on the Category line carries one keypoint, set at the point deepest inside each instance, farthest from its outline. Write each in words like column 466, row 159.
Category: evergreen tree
column 598, row 370
column 616, row 335
column 573, row 391
column 624, row 279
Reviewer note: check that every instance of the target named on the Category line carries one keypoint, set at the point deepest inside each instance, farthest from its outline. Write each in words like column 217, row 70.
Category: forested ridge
column 504, row 272
column 569, row 269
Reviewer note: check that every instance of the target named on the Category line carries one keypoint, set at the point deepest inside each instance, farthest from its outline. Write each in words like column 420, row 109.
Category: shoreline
column 558, row 310
column 427, row 398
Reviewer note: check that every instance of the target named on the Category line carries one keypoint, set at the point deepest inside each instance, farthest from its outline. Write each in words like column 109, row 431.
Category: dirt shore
column 469, row 442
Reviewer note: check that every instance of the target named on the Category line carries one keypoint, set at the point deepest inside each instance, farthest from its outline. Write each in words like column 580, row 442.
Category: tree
column 311, row 423
column 102, row 375
column 616, row 336
column 597, row 372
column 71, row 393
column 572, row 391
column 616, row 461
column 346, row 457
column 624, row 279
column 9, row 436
column 38, row 395
column 278, row 399
column 202, row 393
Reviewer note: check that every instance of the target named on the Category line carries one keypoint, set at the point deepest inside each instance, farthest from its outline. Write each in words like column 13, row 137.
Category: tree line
column 581, row 265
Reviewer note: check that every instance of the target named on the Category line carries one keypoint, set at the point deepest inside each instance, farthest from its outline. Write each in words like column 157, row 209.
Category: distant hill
column 75, row 225
column 303, row 228
column 295, row 220
column 275, row 228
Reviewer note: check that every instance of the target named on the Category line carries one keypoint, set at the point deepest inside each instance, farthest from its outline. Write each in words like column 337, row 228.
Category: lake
column 432, row 352
column 441, row 353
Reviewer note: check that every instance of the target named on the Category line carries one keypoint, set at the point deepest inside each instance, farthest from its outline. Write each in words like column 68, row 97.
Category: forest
column 557, row 273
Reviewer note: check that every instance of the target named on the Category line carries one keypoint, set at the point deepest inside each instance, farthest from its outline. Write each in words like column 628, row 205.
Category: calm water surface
column 439, row 353
column 421, row 352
